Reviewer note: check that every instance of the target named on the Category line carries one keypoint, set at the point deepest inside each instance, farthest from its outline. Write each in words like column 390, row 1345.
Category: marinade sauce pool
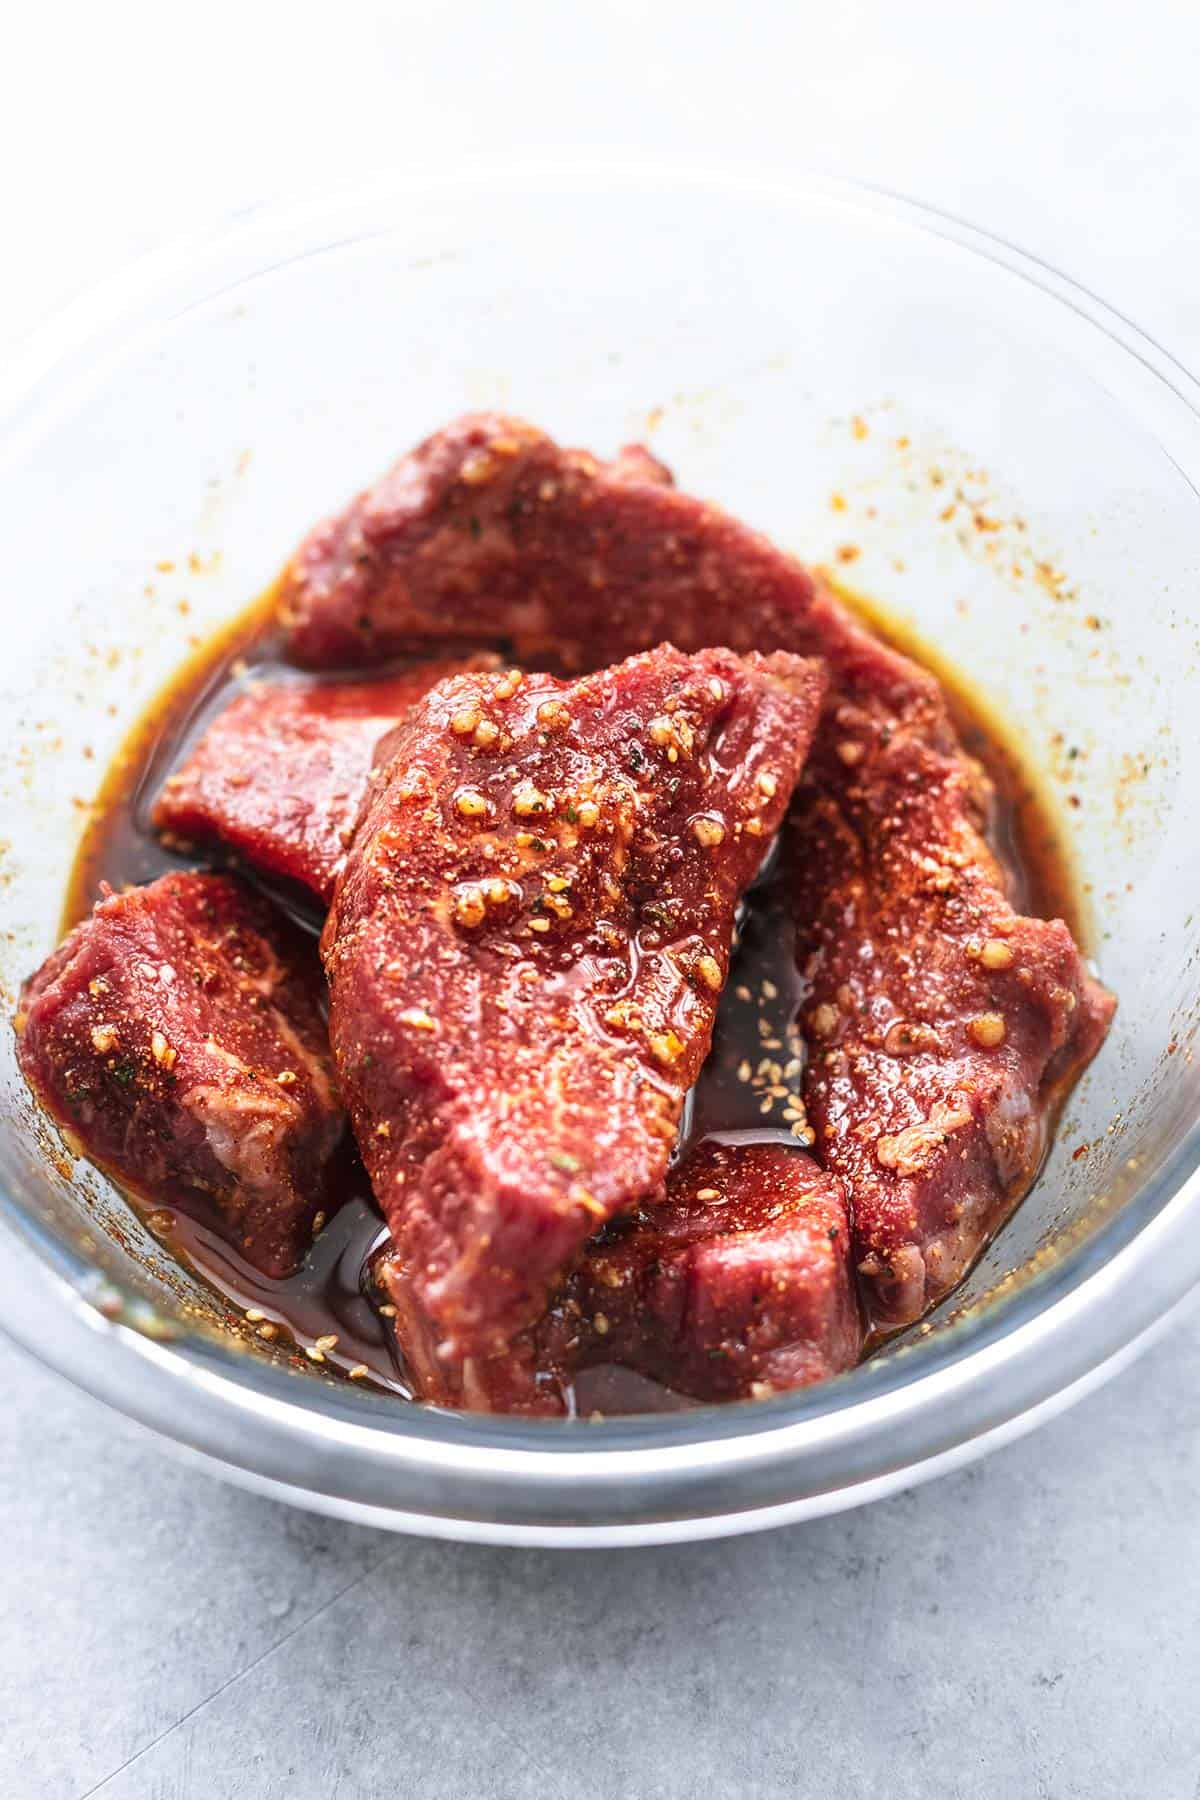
column 748, row 1089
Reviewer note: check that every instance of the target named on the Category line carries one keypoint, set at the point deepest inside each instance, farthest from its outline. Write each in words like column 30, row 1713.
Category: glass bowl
column 990, row 454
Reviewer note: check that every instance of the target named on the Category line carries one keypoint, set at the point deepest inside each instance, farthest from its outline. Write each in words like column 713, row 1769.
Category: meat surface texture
column 491, row 530
column 177, row 1036
column 492, row 533
column 942, row 1025
column 278, row 777
column 736, row 1285
column 525, row 951
column 437, row 546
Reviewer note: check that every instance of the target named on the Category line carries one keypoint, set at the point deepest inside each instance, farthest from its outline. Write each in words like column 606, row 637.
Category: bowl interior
column 982, row 461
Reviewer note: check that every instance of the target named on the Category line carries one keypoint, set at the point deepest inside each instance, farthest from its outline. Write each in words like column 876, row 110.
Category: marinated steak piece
column 573, row 566
column 492, row 533
column 737, row 1285
column 280, row 774
column 942, row 1026
column 177, row 1036
column 440, row 547
column 525, row 950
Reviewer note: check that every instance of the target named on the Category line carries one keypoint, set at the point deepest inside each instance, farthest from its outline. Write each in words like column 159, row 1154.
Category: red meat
column 737, row 1285
column 942, row 1026
column 491, row 530
column 279, row 775
column 525, row 951
column 482, row 519
column 177, row 1035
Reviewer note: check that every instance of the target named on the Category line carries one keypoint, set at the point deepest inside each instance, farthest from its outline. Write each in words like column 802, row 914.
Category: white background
column 1025, row 1628
column 1070, row 126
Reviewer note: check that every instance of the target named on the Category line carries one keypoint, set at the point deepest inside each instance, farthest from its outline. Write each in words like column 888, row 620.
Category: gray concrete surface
column 1025, row 1628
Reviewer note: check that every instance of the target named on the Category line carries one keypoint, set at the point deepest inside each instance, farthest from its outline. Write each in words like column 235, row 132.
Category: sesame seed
column 770, row 991
column 528, row 800
column 589, row 814
column 717, row 690
column 465, row 720
column 313, row 1354
column 327, row 1342
column 987, row 1030
column 850, row 752
column 387, row 1311
column 358, row 1371
column 286, row 1077
column 996, row 954
column 708, row 1194
column 469, row 908
column 470, row 803
column 708, row 969
column 254, row 1314
column 104, row 1038
column 267, row 1331
column 413, row 784
column 665, row 1047
column 708, row 832
column 601, row 1324
column 418, row 1019
column 823, row 1021
column 767, row 784
column 744, row 1071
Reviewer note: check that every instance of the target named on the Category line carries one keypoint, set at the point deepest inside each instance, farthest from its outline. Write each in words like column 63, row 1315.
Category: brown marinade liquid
column 748, row 1089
